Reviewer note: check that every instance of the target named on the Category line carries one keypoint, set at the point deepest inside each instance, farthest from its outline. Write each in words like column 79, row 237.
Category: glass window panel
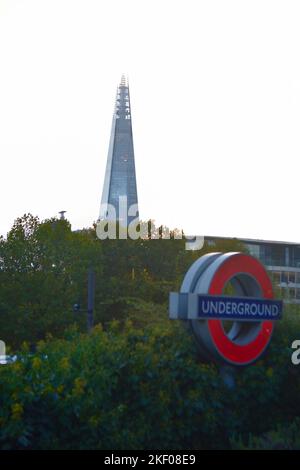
column 292, row 293
column 276, row 277
column 292, row 277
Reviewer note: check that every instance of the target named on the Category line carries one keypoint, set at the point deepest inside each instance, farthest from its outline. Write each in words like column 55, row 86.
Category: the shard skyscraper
column 120, row 189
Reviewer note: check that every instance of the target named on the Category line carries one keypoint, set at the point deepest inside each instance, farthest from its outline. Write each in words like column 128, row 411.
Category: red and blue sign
column 252, row 309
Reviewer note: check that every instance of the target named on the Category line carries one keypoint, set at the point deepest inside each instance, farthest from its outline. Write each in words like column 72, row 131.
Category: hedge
column 144, row 388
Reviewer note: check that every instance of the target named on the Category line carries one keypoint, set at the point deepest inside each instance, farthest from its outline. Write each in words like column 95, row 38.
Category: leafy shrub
column 113, row 389
column 144, row 387
column 283, row 438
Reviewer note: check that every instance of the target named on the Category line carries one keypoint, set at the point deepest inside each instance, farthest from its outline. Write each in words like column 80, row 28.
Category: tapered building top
column 120, row 187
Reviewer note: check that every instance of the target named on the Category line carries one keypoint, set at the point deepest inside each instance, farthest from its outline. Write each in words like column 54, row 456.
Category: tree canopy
column 44, row 267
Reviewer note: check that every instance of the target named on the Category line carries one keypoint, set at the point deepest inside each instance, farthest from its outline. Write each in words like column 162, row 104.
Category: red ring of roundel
column 235, row 353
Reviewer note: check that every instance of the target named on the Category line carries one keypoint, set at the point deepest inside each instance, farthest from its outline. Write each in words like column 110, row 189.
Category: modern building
column 282, row 261
column 119, row 197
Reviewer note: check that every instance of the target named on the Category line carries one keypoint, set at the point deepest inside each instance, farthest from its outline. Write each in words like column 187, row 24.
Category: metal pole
column 91, row 299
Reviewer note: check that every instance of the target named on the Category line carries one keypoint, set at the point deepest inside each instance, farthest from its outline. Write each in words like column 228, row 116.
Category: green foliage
column 121, row 388
column 136, row 382
column 285, row 437
column 143, row 387
column 43, row 273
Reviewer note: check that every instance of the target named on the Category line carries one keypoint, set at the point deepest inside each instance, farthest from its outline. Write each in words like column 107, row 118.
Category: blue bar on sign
column 238, row 308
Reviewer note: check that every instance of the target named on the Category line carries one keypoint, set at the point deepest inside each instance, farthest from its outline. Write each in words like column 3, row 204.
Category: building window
column 253, row 250
column 292, row 278
column 292, row 293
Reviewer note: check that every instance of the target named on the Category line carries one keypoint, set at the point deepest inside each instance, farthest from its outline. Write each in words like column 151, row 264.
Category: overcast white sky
column 215, row 96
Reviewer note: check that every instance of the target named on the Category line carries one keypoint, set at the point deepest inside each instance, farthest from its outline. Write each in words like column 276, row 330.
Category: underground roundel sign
column 233, row 329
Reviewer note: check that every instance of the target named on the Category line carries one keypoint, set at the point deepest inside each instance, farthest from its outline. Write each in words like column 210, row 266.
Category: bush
column 125, row 389
column 283, row 438
column 143, row 387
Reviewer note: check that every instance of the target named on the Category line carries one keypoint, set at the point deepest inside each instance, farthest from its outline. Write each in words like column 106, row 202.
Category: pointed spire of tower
column 120, row 177
column 124, row 81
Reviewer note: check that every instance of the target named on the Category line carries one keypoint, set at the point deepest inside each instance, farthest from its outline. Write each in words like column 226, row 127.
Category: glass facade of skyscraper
column 120, row 188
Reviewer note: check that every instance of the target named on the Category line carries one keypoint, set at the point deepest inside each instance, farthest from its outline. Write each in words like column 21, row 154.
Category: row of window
column 276, row 254
column 287, row 277
column 290, row 293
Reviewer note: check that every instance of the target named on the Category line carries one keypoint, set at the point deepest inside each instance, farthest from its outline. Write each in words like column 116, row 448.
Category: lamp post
column 90, row 300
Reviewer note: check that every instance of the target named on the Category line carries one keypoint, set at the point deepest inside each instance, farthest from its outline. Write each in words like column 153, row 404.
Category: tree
column 43, row 273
